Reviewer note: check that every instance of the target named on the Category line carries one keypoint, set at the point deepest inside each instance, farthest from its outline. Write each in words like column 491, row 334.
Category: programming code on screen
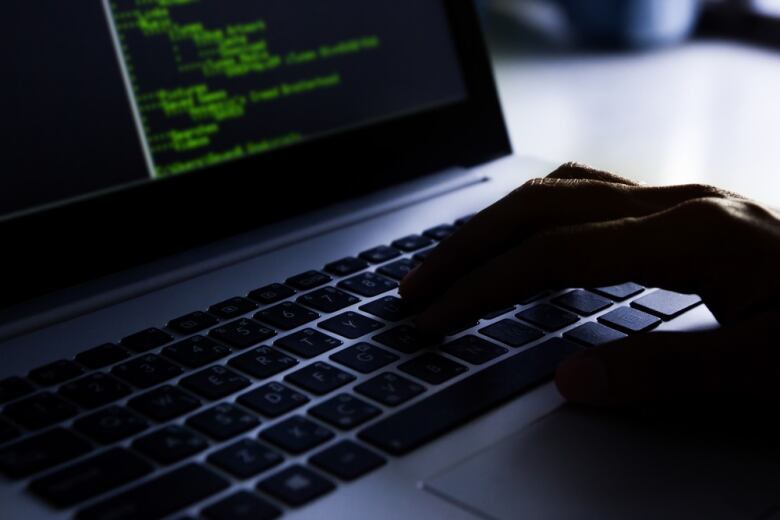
column 213, row 81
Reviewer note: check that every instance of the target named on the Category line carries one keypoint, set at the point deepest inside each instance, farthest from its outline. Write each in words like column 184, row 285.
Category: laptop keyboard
column 234, row 395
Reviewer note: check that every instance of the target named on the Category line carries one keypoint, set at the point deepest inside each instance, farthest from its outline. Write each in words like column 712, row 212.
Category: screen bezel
column 66, row 245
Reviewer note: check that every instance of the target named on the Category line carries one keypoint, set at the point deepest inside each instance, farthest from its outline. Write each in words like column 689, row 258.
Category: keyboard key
column 242, row 333
column 193, row 322
column 164, row 403
column 110, row 425
column 346, row 266
column 593, row 334
column 270, row 294
column 39, row 411
column 404, row 338
column 159, row 497
column 351, row 325
column 7, row 431
column 388, row 308
column 55, row 373
column 620, row 292
column 39, row 452
column 368, row 284
column 223, row 421
column 273, row 399
column 242, row 505
column 628, row 320
column 347, row 460
column 439, row 233
column 584, row 303
column 548, row 317
column 297, row 435
column 94, row 390
column 308, row 280
column 328, row 299
column 497, row 314
column 232, row 308
column 511, row 333
column 171, row 444
column 308, row 343
column 380, row 254
column 319, row 378
column 389, row 389
column 473, row 350
column 429, row 418
column 364, row 357
column 13, row 388
column 146, row 340
column 287, row 316
column 412, row 243
column 146, row 371
column 345, row 411
column 666, row 304
column 196, row 352
column 215, row 382
column 90, row 478
column 263, row 362
column 296, row 485
column 399, row 269
column 245, row 458
column 432, row 368
column 102, row 356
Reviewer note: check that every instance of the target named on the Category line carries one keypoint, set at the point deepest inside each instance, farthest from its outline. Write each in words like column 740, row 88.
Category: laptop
column 207, row 209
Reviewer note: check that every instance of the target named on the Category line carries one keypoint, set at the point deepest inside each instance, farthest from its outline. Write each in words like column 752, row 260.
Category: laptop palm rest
column 577, row 463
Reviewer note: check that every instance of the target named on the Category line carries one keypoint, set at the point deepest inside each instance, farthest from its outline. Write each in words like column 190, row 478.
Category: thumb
column 736, row 361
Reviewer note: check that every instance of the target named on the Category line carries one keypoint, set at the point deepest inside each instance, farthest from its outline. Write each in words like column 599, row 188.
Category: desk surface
column 706, row 111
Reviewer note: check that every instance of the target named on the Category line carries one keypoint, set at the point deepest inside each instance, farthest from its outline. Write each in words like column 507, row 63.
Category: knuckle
column 571, row 170
column 532, row 188
column 708, row 210
column 705, row 205
column 727, row 211
column 754, row 210
column 705, row 191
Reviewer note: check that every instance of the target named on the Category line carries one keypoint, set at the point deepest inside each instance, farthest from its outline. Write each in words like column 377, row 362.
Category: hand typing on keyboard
column 585, row 228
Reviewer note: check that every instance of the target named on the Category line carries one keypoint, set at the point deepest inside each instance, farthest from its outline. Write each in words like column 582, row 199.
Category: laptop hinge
column 114, row 289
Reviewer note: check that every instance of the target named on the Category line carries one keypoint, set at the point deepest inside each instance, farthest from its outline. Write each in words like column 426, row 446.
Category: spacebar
column 160, row 497
column 424, row 421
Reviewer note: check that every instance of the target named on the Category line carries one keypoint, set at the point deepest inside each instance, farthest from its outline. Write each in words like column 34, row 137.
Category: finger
column 732, row 361
column 536, row 206
column 494, row 220
column 666, row 249
column 576, row 171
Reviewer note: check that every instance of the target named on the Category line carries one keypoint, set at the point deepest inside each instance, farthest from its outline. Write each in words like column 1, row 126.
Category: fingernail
column 407, row 284
column 583, row 380
column 423, row 323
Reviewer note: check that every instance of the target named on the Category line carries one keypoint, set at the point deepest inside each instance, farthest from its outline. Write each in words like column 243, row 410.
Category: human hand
column 585, row 228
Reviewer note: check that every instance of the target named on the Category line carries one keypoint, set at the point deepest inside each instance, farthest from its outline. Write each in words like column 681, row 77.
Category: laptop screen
column 105, row 94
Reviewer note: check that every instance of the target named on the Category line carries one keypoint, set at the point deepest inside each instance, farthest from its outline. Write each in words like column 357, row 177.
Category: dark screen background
column 69, row 129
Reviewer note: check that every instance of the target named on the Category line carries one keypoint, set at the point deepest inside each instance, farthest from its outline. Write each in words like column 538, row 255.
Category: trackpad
column 579, row 464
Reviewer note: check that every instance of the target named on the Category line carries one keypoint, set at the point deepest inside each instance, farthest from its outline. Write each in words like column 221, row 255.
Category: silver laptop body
column 519, row 454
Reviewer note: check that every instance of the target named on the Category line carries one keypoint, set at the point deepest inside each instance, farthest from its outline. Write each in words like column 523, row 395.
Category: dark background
column 69, row 116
